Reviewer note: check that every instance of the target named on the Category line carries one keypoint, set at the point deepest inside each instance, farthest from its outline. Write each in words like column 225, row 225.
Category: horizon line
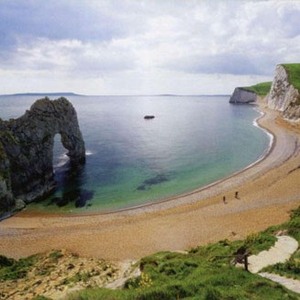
column 108, row 95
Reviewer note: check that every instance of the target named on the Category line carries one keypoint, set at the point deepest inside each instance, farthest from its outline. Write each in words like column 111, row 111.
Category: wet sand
column 267, row 190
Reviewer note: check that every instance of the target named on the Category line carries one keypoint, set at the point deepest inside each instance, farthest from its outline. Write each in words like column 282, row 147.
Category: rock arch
column 27, row 148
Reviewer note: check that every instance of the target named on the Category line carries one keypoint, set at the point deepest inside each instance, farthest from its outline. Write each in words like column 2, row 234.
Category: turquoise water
column 192, row 142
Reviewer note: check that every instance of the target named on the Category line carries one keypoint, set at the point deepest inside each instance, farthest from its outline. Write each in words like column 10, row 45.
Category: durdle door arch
column 26, row 171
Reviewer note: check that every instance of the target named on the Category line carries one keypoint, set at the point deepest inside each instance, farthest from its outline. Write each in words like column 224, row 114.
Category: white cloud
column 149, row 46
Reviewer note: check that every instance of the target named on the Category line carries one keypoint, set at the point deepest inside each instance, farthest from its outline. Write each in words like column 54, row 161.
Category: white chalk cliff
column 241, row 95
column 283, row 96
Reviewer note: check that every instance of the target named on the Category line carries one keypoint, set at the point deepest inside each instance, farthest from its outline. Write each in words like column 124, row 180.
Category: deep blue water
column 193, row 141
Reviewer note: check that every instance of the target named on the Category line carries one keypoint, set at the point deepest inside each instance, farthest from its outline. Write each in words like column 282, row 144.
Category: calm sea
column 193, row 141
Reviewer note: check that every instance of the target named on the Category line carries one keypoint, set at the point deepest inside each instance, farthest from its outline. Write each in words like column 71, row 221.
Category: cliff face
column 6, row 197
column 240, row 95
column 284, row 96
column 26, row 149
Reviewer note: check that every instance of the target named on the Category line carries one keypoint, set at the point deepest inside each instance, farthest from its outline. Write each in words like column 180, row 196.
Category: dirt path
column 280, row 252
column 291, row 284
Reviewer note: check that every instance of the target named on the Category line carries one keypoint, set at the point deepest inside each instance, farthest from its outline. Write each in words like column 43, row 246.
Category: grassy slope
column 261, row 89
column 205, row 273
column 293, row 71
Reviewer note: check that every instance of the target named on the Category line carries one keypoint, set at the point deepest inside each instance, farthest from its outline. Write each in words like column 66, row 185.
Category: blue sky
column 144, row 47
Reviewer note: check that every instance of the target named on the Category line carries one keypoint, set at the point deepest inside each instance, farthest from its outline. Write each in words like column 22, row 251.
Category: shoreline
column 175, row 223
column 144, row 206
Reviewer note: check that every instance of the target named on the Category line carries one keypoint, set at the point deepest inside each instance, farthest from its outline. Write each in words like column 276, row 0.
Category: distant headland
column 282, row 94
column 52, row 94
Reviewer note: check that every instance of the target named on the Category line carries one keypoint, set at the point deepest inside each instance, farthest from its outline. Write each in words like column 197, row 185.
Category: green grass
column 204, row 273
column 11, row 269
column 261, row 89
column 177, row 276
column 55, row 255
column 293, row 71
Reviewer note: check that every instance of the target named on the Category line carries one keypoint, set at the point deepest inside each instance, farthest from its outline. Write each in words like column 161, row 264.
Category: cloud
column 115, row 42
column 56, row 20
column 249, row 38
column 228, row 63
column 72, row 56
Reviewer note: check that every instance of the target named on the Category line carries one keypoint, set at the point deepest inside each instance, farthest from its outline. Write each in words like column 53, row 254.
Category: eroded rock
column 241, row 95
column 26, row 149
column 283, row 96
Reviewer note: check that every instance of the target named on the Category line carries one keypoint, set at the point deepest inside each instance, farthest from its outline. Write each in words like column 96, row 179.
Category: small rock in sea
column 149, row 117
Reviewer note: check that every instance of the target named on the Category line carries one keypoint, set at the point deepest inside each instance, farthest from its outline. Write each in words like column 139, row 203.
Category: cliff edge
column 26, row 150
column 242, row 95
column 284, row 95
column 250, row 94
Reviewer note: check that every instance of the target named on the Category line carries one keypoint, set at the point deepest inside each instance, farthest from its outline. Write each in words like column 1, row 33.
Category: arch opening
column 60, row 157
column 69, row 178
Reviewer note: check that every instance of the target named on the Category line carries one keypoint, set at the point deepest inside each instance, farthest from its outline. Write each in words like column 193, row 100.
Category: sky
column 134, row 47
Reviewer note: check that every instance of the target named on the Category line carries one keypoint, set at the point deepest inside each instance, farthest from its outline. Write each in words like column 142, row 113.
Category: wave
column 62, row 160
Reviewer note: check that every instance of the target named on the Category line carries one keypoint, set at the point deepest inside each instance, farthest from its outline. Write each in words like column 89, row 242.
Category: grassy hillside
column 293, row 71
column 261, row 89
column 205, row 272
column 202, row 273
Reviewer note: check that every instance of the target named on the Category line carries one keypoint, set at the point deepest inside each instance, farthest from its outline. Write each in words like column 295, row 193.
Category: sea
column 192, row 142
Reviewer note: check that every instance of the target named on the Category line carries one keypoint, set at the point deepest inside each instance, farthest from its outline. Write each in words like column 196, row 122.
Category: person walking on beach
column 224, row 200
column 237, row 195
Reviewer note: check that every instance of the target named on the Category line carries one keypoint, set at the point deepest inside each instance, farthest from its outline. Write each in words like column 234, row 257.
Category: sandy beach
column 268, row 190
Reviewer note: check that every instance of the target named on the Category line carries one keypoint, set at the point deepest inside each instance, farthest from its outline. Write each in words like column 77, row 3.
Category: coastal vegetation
column 293, row 71
column 204, row 272
column 261, row 89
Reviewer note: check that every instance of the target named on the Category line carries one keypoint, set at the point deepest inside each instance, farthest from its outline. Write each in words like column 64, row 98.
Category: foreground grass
column 203, row 273
column 261, row 89
column 293, row 71
column 11, row 269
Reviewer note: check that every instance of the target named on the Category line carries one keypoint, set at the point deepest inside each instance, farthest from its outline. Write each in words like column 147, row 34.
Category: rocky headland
column 281, row 95
column 284, row 95
column 26, row 151
column 242, row 95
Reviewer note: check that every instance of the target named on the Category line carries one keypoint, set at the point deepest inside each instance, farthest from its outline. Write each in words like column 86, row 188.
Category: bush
column 17, row 269
column 6, row 262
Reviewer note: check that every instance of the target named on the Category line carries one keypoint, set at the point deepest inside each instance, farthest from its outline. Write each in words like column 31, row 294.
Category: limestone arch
column 30, row 150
